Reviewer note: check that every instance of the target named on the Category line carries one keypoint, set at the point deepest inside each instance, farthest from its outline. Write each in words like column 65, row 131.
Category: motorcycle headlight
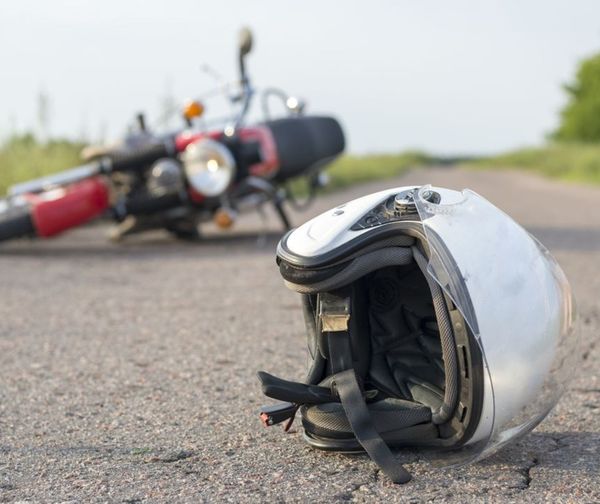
column 209, row 167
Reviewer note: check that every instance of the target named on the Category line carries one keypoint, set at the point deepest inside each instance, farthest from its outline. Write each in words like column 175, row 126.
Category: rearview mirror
column 245, row 41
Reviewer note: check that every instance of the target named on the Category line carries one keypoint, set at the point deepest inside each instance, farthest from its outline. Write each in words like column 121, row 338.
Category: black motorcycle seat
column 305, row 143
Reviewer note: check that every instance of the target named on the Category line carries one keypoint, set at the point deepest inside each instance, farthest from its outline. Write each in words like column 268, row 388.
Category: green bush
column 580, row 119
column 23, row 158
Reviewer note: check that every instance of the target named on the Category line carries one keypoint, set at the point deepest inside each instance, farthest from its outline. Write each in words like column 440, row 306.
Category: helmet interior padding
column 405, row 343
column 401, row 363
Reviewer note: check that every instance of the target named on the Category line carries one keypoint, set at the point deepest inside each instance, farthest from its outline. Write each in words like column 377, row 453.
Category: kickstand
column 261, row 239
column 278, row 204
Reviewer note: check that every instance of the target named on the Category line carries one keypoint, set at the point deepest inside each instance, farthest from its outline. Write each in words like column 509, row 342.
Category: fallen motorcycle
column 179, row 181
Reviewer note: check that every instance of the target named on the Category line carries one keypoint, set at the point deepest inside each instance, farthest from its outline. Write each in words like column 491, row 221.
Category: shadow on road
column 145, row 247
column 561, row 238
column 158, row 244
column 573, row 451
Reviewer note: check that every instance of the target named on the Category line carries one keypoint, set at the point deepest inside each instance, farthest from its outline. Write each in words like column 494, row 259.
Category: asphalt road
column 127, row 372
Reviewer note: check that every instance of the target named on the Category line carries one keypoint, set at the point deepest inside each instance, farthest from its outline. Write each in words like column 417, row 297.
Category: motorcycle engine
column 165, row 177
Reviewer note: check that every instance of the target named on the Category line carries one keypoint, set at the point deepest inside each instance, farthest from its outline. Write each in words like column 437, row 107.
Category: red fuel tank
column 59, row 209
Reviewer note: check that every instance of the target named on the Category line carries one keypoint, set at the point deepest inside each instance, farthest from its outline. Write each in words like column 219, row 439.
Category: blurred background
column 440, row 80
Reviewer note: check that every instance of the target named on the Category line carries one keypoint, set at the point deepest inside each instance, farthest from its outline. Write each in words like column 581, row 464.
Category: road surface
column 127, row 372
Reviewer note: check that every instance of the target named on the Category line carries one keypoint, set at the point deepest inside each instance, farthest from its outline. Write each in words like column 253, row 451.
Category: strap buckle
column 334, row 312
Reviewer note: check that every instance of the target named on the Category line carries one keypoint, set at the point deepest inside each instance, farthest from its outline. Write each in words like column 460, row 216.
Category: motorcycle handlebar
column 138, row 158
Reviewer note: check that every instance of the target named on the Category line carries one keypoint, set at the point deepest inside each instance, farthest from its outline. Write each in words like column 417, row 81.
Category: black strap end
column 277, row 413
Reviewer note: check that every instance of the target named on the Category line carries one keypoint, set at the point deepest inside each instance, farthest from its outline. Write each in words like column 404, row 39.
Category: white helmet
column 434, row 320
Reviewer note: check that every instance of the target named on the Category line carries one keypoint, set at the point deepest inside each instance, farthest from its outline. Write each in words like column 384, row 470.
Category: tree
column 580, row 119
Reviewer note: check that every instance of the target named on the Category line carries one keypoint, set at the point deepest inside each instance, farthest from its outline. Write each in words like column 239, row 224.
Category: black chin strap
column 349, row 391
column 334, row 315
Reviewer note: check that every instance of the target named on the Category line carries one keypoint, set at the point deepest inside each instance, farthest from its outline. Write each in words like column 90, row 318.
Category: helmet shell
column 511, row 292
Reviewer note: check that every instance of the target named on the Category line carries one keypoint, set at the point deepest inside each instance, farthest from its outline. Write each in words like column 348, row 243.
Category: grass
column 569, row 161
column 578, row 162
column 23, row 158
column 349, row 170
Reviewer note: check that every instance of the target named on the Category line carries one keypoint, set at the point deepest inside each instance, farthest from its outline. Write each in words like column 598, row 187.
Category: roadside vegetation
column 580, row 118
column 23, row 158
column 573, row 151
column 349, row 170
column 576, row 162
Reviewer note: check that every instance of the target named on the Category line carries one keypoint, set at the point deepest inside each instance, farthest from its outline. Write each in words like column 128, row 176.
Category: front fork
column 261, row 191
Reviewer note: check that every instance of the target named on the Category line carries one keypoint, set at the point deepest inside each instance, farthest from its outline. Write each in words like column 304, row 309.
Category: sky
column 452, row 78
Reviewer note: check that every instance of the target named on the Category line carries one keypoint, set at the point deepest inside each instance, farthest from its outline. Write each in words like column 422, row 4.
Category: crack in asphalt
column 349, row 494
column 527, row 472
column 173, row 457
column 587, row 350
column 559, row 443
